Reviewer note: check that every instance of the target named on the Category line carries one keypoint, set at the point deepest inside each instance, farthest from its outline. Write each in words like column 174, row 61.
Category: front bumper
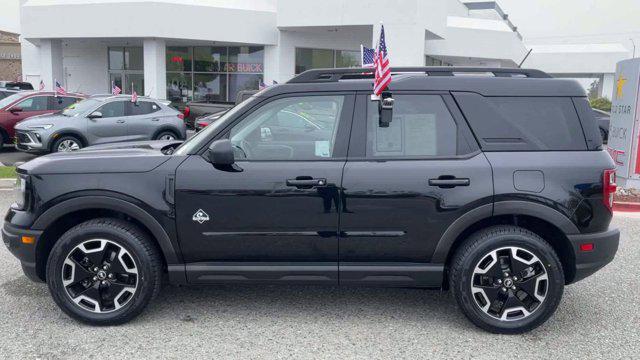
column 27, row 141
column 605, row 245
column 25, row 252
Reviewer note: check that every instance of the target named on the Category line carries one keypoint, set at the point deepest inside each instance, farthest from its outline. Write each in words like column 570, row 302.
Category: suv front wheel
column 104, row 271
column 507, row 279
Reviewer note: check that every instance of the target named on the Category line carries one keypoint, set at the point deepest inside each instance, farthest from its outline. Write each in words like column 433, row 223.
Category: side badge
column 200, row 216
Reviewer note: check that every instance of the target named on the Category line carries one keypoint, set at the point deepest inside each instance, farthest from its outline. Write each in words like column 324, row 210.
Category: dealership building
column 208, row 50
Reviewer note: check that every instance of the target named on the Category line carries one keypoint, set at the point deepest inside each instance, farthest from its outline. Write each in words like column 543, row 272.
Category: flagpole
column 361, row 55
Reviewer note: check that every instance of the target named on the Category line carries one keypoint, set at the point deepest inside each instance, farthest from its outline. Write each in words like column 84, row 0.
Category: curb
column 626, row 206
column 7, row 183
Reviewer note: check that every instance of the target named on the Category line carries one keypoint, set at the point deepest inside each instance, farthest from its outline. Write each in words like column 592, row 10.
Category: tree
column 603, row 104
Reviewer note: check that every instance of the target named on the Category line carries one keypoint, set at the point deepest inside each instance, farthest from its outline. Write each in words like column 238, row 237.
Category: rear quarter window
column 523, row 123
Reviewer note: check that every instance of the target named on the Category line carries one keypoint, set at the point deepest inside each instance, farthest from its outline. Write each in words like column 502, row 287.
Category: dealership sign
column 9, row 52
column 624, row 128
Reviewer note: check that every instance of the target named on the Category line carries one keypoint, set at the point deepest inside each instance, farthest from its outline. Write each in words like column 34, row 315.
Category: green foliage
column 603, row 104
column 7, row 172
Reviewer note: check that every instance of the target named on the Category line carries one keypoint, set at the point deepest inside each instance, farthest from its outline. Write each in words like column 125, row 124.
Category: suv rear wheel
column 166, row 135
column 104, row 272
column 507, row 279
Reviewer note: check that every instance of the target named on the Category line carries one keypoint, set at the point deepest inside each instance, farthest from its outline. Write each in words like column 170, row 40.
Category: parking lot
column 598, row 318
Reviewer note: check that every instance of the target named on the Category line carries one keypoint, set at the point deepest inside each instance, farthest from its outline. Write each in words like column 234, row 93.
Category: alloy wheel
column 167, row 137
column 509, row 283
column 100, row 276
column 68, row 145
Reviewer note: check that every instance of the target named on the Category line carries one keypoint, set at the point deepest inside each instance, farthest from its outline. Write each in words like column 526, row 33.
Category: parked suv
column 19, row 106
column 100, row 120
column 493, row 185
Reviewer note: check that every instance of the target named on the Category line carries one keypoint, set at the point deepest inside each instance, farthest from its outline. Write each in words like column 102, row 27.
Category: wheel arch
column 164, row 128
column 547, row 222
column 4, row 134
column 67, row 132
column 62, row 216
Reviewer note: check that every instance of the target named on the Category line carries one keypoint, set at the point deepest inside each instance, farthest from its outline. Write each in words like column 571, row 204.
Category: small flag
column 59, row 89
column 367, row 56
column 41, row 88
column 275, row 82
column 382, row 66
column 115, row 90
column 134, row 95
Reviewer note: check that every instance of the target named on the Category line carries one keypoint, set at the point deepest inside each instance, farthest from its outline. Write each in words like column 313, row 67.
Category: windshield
column 193, row 143
column 9, row 99
column 81, row 107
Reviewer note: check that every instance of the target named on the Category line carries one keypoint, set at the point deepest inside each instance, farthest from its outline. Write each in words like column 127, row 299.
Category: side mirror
column 95, row 115
column 385, row 108
column 16, row 109
column 221, row 153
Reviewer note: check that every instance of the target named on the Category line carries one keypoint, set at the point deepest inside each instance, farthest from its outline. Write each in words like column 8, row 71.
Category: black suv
column 489, row 182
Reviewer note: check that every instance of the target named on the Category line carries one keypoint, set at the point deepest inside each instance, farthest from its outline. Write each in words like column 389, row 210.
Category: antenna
column 525, row 58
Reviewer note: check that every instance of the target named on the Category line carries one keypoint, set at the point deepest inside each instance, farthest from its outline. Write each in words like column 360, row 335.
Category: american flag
column 59, row 89
column 382, row 66
column 134, row 95
column 367, row 56
column 115, row 90
column 41, row 88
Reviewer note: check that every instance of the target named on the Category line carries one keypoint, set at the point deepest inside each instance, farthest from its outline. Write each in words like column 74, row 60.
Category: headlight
column 44, row 126
column 21, row 191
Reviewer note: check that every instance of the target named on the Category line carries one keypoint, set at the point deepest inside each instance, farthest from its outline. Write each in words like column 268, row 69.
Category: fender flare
column 536, row 210
column 109, row 203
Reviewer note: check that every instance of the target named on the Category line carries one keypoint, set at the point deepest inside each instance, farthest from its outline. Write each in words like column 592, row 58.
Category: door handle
column 306, row 182
column 449, row 181
column 155, row 119
column 120, row 121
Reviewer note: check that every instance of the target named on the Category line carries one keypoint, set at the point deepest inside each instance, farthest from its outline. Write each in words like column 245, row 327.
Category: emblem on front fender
column 200, row 216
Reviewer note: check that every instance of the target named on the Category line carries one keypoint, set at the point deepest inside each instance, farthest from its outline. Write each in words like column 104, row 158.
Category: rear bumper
column 26, row 253
column 605, row 245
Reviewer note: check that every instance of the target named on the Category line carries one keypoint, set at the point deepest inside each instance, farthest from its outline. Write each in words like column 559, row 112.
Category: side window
column 61, row 102
column 141, row 108
column 296, row 128
column 421, row 126
column 112, row 109
column 36, row 103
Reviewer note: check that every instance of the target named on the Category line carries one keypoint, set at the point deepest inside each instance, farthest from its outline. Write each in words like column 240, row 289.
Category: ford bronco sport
column 491, row 183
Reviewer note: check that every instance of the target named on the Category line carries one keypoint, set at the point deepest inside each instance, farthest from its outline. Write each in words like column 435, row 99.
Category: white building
column 210, row 49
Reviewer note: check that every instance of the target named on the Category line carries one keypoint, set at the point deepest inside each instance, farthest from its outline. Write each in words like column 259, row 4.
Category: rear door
column 144, row 118
column 404, row 185
column 112, row 126
column 58, row 103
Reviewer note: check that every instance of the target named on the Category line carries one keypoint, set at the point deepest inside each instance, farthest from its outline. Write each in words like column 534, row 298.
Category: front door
column 275, row 217
column 31, row 106
column 112, row 126
column 404, row 186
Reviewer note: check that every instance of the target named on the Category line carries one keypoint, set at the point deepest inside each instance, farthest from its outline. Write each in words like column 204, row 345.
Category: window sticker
column 323, row 148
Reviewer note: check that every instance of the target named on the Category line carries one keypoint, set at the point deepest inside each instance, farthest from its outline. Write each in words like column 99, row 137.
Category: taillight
column 181, row 116
column 608, row 188
column 186, row 111
column 202, row 124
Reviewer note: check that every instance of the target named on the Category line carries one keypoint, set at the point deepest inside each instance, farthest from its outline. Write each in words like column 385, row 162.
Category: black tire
column 64, row 140
column 145, row 255
column 478, row 247
column 166, row 133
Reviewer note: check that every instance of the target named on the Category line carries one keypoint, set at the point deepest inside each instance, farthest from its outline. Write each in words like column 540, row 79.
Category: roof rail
column 334, row 75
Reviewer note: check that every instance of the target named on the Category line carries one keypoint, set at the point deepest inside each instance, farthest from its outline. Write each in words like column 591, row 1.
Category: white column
column 607, row 85
column 51, row 63
column 279, row 60
column 155, row 68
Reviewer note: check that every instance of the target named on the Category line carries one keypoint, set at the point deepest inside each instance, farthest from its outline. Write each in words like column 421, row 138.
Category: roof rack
column 334, row 75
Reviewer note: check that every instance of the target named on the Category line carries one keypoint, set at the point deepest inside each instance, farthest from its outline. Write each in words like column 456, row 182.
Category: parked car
column 603, row 119
column 21, row 105
column 196, row 110
column 4, row 93
column 16, row 85
column 206, row 120
column 100, row 120
column 494, row 187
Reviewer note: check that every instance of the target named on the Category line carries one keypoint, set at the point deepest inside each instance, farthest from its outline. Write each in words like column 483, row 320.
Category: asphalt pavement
column 598, row 318
column 9, row 156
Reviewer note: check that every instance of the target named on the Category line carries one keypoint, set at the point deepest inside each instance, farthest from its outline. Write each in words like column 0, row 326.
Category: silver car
column 100, row 120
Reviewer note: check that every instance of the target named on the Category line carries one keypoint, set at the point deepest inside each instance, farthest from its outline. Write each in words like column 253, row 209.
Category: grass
column 7, row 172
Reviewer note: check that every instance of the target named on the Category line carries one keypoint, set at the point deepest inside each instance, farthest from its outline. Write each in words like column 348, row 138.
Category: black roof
column 485, row 81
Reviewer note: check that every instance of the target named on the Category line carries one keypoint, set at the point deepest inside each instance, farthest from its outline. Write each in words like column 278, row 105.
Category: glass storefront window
column 133, row 58
column 347, row 58
column 138, row 84
column 179, row 58
column 307, row 59
column 246, row 59
column 209, row 58
column 116, row 60
column 239, row 82
column 210, row 87
column 179, row 87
